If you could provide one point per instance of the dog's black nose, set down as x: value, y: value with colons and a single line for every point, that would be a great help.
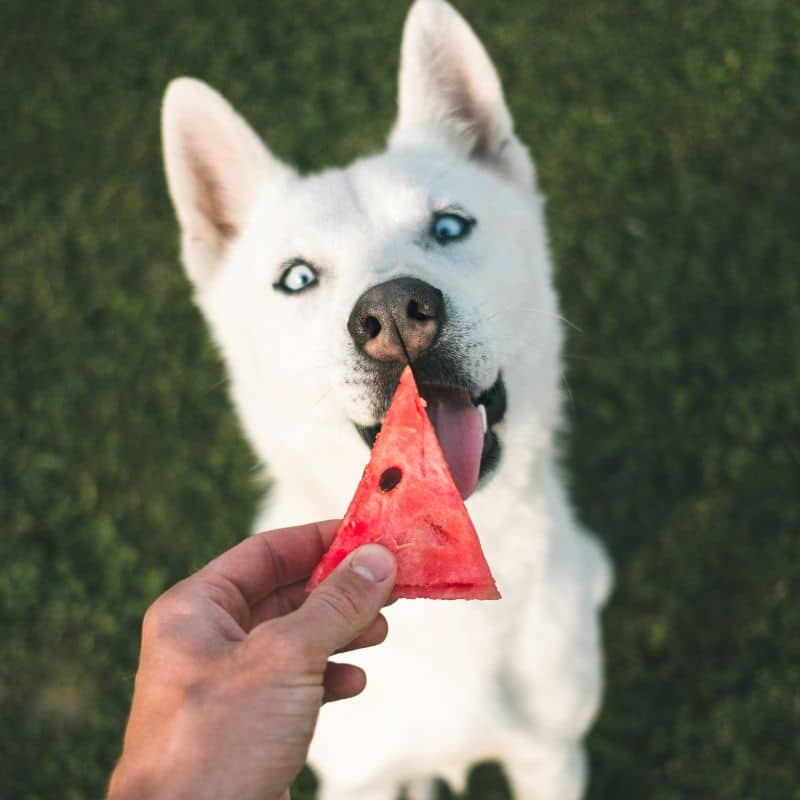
x: 403, y: 307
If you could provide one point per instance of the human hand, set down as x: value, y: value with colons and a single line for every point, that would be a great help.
x: 234, y: 667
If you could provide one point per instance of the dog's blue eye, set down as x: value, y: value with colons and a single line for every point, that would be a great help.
x: 296, y: 277
x: 450, y: 227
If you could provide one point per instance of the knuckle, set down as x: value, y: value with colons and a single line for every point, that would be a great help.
x: 164, y: 612
x: 342, y: 601
x: 154, y: 618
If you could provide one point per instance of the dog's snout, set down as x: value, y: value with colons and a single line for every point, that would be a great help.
x: 404, y: 315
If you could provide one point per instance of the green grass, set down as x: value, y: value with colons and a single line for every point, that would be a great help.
x: 667, y: 141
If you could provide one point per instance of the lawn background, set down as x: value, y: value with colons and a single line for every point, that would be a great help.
x: 667, y: 139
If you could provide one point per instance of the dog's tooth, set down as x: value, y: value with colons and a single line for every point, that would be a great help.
x: 484, y: 420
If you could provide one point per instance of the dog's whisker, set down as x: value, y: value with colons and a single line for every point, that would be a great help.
x: 513, y: 307
x: 535, y: 309
x: 605, y: 359
x: 322, y: 397
x: 571, y: 324
x: 563, y: 378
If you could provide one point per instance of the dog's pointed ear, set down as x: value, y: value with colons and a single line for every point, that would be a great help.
x: 449, y: 91
x: 215, y: 166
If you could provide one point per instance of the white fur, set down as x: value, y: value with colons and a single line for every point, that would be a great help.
x: 519, y: 679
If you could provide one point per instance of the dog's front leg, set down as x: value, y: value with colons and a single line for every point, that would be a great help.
x: 330, y: 791
x: 555, y: 771
x: 422, y: 789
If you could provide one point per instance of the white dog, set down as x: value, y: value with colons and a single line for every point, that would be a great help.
x: 306, y: 283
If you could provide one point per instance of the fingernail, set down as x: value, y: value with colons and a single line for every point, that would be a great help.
x: 373, y: 562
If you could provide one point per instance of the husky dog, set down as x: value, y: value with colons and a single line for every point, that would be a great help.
x: 312, y: 286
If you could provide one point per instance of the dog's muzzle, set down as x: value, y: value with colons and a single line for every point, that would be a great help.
x: 472, y: 453
x: 404, y: 321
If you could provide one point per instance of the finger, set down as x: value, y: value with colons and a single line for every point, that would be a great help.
x: 264, y: 562
x: 374, y: 634
x: 342, y: 681
x: 343, y: 606
x: 289, y: 598
x: 282, y: 601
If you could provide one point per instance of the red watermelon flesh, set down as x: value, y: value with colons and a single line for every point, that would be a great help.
x: 408, y: 502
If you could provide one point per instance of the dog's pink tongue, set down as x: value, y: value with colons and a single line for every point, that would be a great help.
x: 459, y: 429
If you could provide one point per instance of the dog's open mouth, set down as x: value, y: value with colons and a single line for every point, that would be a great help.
x: 463, y: 426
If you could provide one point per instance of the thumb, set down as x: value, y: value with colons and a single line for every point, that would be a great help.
x: 346, y: 602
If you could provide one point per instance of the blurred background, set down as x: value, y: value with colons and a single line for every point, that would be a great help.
x: 667, y: 139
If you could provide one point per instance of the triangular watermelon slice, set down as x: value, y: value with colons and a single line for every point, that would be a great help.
x: 408, y: 502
